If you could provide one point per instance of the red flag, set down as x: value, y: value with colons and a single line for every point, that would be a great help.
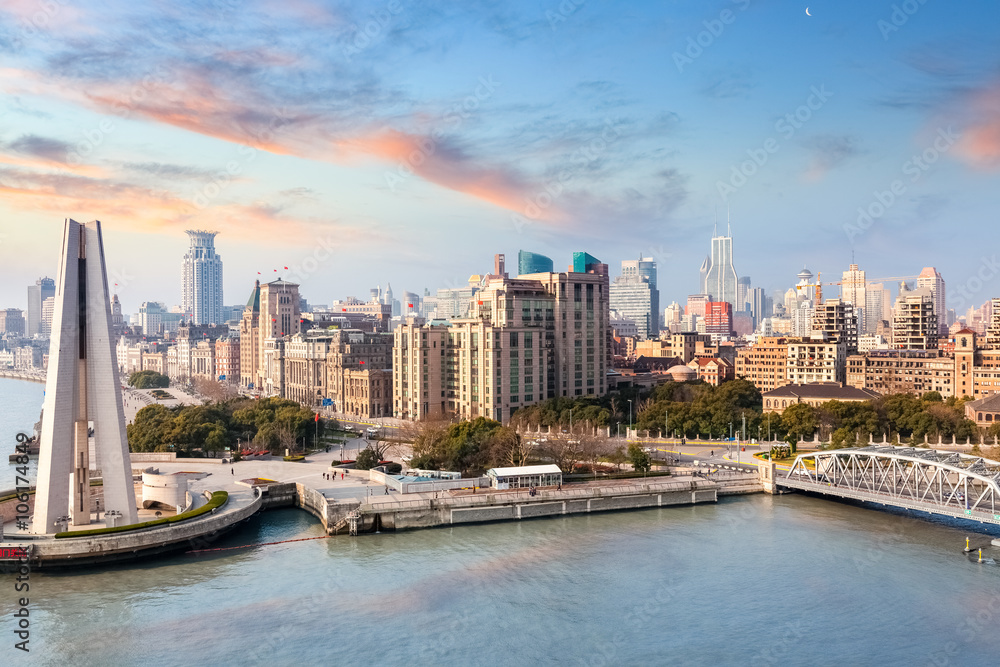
x: 362, y: 363
x: 286, y: 268
x: 344, y: 309
x: 317, y: 417
x: 410, y: 305
x: 258, y: 273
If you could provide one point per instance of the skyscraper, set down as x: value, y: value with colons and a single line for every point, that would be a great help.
x: 703, y: 275
x: 932, y: 280
x: 854, y: 290
x: 532, y: 262
x: 202, y: 280
x: 37, y: 294
x: 644, y: 268
x: 721, y: 278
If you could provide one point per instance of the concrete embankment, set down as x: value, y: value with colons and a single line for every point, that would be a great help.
x: 197, y: 533
x: 490, y: 505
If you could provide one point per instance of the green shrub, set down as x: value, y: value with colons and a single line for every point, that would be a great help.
x: 218, y: 499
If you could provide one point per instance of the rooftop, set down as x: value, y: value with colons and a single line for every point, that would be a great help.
x: 828, y: 390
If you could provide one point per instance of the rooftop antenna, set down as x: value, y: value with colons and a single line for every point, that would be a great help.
x: 729, y: 229
x: 715, y: 232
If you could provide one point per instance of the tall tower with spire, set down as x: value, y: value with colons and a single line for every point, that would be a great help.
x: 721, y: 279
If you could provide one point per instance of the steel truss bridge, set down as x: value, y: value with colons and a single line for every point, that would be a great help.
x: 928, y: 480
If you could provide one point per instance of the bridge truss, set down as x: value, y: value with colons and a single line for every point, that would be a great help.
x: 939, y: 482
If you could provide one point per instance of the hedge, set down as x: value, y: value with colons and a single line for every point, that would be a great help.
x: 218, y: 499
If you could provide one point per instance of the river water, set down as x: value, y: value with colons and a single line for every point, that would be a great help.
x: 754, y: 580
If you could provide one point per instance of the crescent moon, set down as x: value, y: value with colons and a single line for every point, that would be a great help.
x: 807, y: 12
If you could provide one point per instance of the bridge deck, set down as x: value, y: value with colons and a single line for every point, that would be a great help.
x: 956, y: 511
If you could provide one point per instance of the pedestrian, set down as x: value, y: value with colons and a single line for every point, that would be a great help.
x: 387, y: 490
x: 232, y: 471
x: 341, y: 475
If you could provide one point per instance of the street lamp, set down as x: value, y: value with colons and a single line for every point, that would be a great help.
x: 629, y: 416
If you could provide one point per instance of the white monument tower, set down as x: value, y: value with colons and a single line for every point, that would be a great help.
x: 82, y: 392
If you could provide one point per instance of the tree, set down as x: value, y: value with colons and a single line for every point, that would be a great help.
x: 367, y: 459
x: 639, y: 458
x: 148, y: 380
x: 213, y: 390
x: 798, y: 421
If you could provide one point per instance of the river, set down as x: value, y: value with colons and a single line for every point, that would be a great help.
x: 753, y: 580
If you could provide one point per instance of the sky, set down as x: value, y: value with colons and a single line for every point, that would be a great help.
x: 407, y: 142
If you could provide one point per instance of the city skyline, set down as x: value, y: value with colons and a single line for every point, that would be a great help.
x: 653, y: 149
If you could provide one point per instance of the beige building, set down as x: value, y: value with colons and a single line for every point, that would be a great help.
x: 839, y: 321
x: 903, y: 371
x: 777, y: 400
x: 815, y: 360
x: 359, y: 372
x: 249, y: 345
x: 305, y: 375
x: 227, y: 359
x: 525, y: 340
x: 914, y: 324
x: 272, y: 312
x: 765, y: 363
x: 203, y: 360
x: 684, y: 346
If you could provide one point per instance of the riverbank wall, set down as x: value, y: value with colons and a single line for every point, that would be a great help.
x: 491, y: 505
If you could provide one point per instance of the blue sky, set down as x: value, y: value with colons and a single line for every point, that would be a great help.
x: 407, y: 142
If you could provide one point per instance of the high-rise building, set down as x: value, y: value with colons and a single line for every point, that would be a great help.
x: 645, y: 267
x: 878, y: 306
x: 742, y: 294
x: 760, y: 305
x: 719, y: 319
x: 802, y: 319
x: 37, y: 294
x: 703, y: 275
x: 854, y: 290
x: 201, y: 287
x: 932, y: 280
x: 634, y: 295
x: 48, y: 305
x: 12, y: 321
x: 524, y: 340
x: 721, y: 279
x: 151, y: 317
x: 914, y: 324
x: 838, y: 320
x: 696, y: 304
x: 532, y: 262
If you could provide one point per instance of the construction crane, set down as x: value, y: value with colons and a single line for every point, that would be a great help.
x: 818, y: 285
